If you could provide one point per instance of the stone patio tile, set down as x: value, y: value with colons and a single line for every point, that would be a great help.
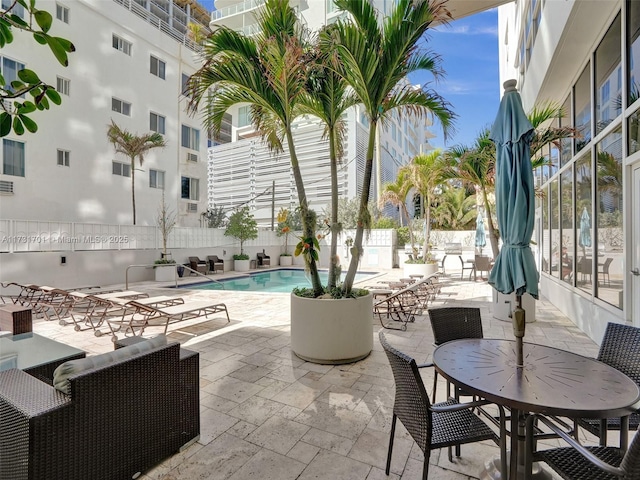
x: 286, y: 373
x: 259, y: 359
x: 216, y: 461
x: 378, y: 474
x: 329, y: 441
x: 328, y: 465
x: 242, y: 429
x: 215, y: 402
x: 250, y: 373
x: 303, y: 452
x: 278, y: 434
x: 223, y: 367
x: 338, y: 421
x: 213, y: 424
x: 372, y: 446
x: 268, y: 465
x: 289, y: 412
x: 271, y: 387
x: 342, y: 377
x: 256, y: 410
x: 301, y: 393
x: 233, y: 389
x: 342, y: 397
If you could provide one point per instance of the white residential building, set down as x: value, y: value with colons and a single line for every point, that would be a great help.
x: 131, y: 59
x: 243, y: 171
x: 585, y: 55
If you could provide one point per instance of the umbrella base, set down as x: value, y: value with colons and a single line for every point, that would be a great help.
x: 492, y: 471
x: 503, y: 305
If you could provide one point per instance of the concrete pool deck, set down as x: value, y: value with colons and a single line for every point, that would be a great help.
x: 265, y: 413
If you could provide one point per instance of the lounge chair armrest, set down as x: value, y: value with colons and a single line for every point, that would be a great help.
x: 581, y: 449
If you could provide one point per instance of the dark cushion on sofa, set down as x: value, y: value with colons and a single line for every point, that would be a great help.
x: 68, y: 369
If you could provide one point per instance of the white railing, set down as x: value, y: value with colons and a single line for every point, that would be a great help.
x: 235, y: 9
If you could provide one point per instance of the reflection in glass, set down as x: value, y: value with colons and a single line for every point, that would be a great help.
x: 566, y: 258
x: 633, y: 136
x: 609, y: 219
x: 565, y: 143
x: 584, y: 216
x: 583, y: 109
x: 545, y: 247
x: 633, y: 36
x: 608, y: 77
x: 555, y: 228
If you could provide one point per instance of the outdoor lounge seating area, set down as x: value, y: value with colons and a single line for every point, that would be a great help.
x: 264, y: 411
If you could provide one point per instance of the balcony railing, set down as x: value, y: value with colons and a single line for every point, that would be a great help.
x: 235, y: 9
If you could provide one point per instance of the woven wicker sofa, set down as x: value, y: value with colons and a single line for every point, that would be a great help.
x: 118, y: 420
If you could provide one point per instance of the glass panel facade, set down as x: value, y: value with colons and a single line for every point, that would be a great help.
x: 566, y: 226
x: 633, y: 40
x: 555, y: 228
x: 584, y: 230
x: 545, y: 231
x: 608, y: 74
x: 582, y: 95
x: 609, y: 219
x: 565, y: 143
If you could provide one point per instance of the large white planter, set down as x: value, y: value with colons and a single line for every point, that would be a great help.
x: 424, y: 269
x: 286, y: 260
x: 331, y: 331
x: 241, y: 265
x: 165, y: 273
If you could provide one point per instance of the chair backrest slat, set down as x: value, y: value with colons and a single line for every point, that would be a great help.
x: 454, y: 323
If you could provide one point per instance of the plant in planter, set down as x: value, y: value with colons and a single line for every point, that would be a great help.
x: 166, y: 222
x: 242, y: 226
x: 284, y: 230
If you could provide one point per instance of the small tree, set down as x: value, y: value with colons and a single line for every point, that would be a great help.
x: 284, y: 228
x: 242, y: 226
x: 166, y: 222
x: 215, y: 217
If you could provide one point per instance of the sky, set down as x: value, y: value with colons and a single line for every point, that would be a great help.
x: 469, y: 52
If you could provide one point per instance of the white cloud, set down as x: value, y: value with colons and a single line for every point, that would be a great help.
x: 469, y: 30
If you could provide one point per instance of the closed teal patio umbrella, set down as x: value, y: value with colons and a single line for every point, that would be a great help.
x: 514, y: 269
x: 585, y: 229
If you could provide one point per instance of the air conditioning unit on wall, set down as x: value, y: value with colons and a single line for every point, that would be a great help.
x: 192, y: 157
x: 192, y: 208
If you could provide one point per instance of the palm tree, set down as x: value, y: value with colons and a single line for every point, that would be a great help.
x: 375, y: 56
x: 456, y: 210
x: 133, y: 146
x: 328, y: 99
x: 396, y: 194
x: 426, y: 173
x: 269, y: 72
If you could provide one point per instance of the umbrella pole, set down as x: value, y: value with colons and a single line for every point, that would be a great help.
x: 518, y: 329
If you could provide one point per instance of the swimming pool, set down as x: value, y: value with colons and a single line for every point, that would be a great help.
x: 280, y: 280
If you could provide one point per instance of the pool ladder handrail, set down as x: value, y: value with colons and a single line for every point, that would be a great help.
x: 175, y: 275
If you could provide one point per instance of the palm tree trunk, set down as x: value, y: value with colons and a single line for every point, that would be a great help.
x: 308, y: 217
x: 493, y: 234
x: 333, y: 253
x: 427, y: 226
x: 356, y: 250
x: 133, y: 188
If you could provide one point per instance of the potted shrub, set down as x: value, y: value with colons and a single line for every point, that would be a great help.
x: 166, y: 222
x: 284, y: 230
x: 242, y: 226
x: 281, y: 77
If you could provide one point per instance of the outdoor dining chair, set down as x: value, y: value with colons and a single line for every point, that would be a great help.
x: 579, y: 462
x: 432, y: 426
x: 620, y: 349
x: 603, y: 271
x: 453, y: 323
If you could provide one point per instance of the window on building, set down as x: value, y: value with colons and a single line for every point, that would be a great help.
x: 121, y: 106
x: 243, y: 117
x: 63, y: 157
x: 156, y: 179
x: 189, y: 188
x: 555, y: 230
x: 566, y: 261
x: 190, y: 137
x: 63, y: 85
x: 582, y: 111
x: 122, y: 169
x: 185, y: 81
x: 62, y: 13
x: 12, y: 158
x: 633, y: 62
x: 10, y: 69
x: 16, y: 10
x: 157, y: 123
x: 607, y: 65
x: 584, y: 216
x: 393, y: 132
x: 224, y: 135
x: 565, y: 143
x: 157, y: 67
x: 545, y: 230
x: 609, y: 216
x: 121, y: 44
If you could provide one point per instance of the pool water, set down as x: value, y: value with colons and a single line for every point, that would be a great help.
x: 280, y: 280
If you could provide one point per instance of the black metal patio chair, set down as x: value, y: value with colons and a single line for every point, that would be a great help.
x: 435, y: 426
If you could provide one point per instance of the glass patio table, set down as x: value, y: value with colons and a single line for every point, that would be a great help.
x: 551, y: 382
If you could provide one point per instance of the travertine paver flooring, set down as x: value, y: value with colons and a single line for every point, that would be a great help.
x: 267, y: 414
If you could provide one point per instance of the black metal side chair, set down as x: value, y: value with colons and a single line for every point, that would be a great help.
x: 620, y: 349
x: 453, y: 323
x: 431, y: 426
x: 579, y: 462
